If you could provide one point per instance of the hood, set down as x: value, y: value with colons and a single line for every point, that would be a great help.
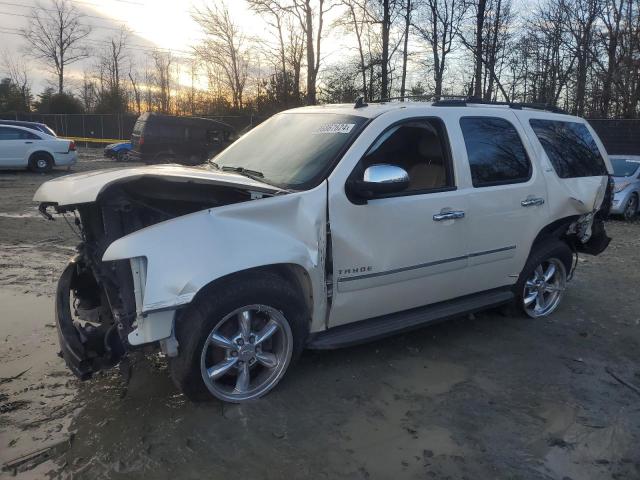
x: 86, y: 187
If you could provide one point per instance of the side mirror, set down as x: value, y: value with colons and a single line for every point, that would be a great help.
x: 381, y: 179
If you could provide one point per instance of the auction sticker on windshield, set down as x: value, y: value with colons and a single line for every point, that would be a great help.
x: 334, y: 128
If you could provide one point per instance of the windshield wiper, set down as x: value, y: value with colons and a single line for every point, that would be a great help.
x: 242, y: 171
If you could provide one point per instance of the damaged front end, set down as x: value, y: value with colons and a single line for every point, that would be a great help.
x: 99, y: 303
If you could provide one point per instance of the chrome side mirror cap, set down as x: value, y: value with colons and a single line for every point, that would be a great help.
x: 381, y: 179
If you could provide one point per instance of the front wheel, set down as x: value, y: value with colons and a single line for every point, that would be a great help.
x: 631, y: 208
x: 237, y: 341
x: 543, y: 280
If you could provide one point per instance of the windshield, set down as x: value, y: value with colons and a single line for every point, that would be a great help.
x: 623, y: 167
x: 292, y: 150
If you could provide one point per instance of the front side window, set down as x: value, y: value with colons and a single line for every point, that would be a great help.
x: 293, y: 150
x: 570, y: 147
x: 419, y: 147
x: 496, y: 153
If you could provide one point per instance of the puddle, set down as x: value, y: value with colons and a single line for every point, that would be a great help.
x: 580, y: 448
x: 36, y: 390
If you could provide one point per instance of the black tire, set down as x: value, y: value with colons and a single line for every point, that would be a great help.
x: 194, y: 325
x: 40, y: 162
x: 541, y: 253
x: 121, y: 156
x: 631, y: 208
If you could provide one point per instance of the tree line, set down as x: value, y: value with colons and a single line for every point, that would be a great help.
x: 581, y: 55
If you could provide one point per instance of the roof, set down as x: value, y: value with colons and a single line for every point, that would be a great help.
x: 19, y: 122
x: 373, y: 110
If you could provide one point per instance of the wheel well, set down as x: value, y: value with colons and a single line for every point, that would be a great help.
x: 556, y: 230
x: 41, y: 152
x: 289, y: 272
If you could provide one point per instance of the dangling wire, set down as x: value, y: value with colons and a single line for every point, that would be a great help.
x: 71, y: 226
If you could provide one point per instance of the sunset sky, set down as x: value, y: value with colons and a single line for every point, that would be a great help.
x: 165, y: 24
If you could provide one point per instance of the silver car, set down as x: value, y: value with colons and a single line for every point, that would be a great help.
x: 626, y: 174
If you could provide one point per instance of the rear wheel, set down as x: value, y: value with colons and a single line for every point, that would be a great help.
x: 631, y: 208
x: 237, y: 342
x: 543, y: 280
x: 121, y: 156
x: 41, y: 163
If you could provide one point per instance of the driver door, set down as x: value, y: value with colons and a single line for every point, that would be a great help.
x: 402, y: 250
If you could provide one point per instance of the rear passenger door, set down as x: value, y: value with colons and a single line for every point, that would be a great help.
x: 507, y: 198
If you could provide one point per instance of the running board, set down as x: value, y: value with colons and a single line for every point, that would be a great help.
x: 379, y: 327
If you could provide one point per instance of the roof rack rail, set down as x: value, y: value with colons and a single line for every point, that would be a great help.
x: 463, y: 101
x: 426, y: 98
x: 514, y: 105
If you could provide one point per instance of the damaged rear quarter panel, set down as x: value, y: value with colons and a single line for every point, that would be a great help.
x: 187, y: 253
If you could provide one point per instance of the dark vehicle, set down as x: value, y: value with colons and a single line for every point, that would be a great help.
x: 187, y: 140
x: 38, y: 127
x: 118, y: 151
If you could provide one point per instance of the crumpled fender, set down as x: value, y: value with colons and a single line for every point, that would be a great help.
x: 186, y: 253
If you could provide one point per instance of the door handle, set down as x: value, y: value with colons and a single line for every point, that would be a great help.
x: 28, y: 142
x: 532, y: 202
x: 453, y: 215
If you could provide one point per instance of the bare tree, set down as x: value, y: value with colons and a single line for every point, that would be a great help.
x: 405, y: 51
x: 137, y: 95
x: 224, y: 47
x: 272, y: 12
x: 17, y: 72
x: 55, y: 36
x: 582, y: 16
x: 289, y: 47
x: 163, y: 79
x: 438, y: 22
x: 311, y: 21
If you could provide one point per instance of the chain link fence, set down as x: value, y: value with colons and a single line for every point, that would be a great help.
x: 105, y: 128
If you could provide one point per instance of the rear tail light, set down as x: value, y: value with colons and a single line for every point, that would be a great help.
x: 72, y: 146
x: 141, y: 140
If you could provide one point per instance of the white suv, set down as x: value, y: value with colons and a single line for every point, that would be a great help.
x: 325, y: 227
x: 22, y: 147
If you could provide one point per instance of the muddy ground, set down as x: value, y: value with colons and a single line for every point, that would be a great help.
x: 489, y: 396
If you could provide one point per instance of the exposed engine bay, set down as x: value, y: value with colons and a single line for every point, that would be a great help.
x: 96, y: 301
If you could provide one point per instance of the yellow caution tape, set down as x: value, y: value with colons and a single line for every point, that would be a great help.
x: 95, y: 140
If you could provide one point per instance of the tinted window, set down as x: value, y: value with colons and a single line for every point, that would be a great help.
x: 16, y: 134
x: 570, y: 147
x: 495, y: 151
x: 419, y: 148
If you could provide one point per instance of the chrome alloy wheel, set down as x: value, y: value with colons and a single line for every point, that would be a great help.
x: 631, y: 208
x: 246, y: 353
x: 544, y: 289
x: 41, y: 163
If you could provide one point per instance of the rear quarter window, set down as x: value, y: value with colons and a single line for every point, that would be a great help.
x: 570, y: 147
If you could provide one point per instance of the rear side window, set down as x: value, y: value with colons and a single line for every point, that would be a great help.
x: 16, y: 134
x: 570, y: 147
x: 495, y: 151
